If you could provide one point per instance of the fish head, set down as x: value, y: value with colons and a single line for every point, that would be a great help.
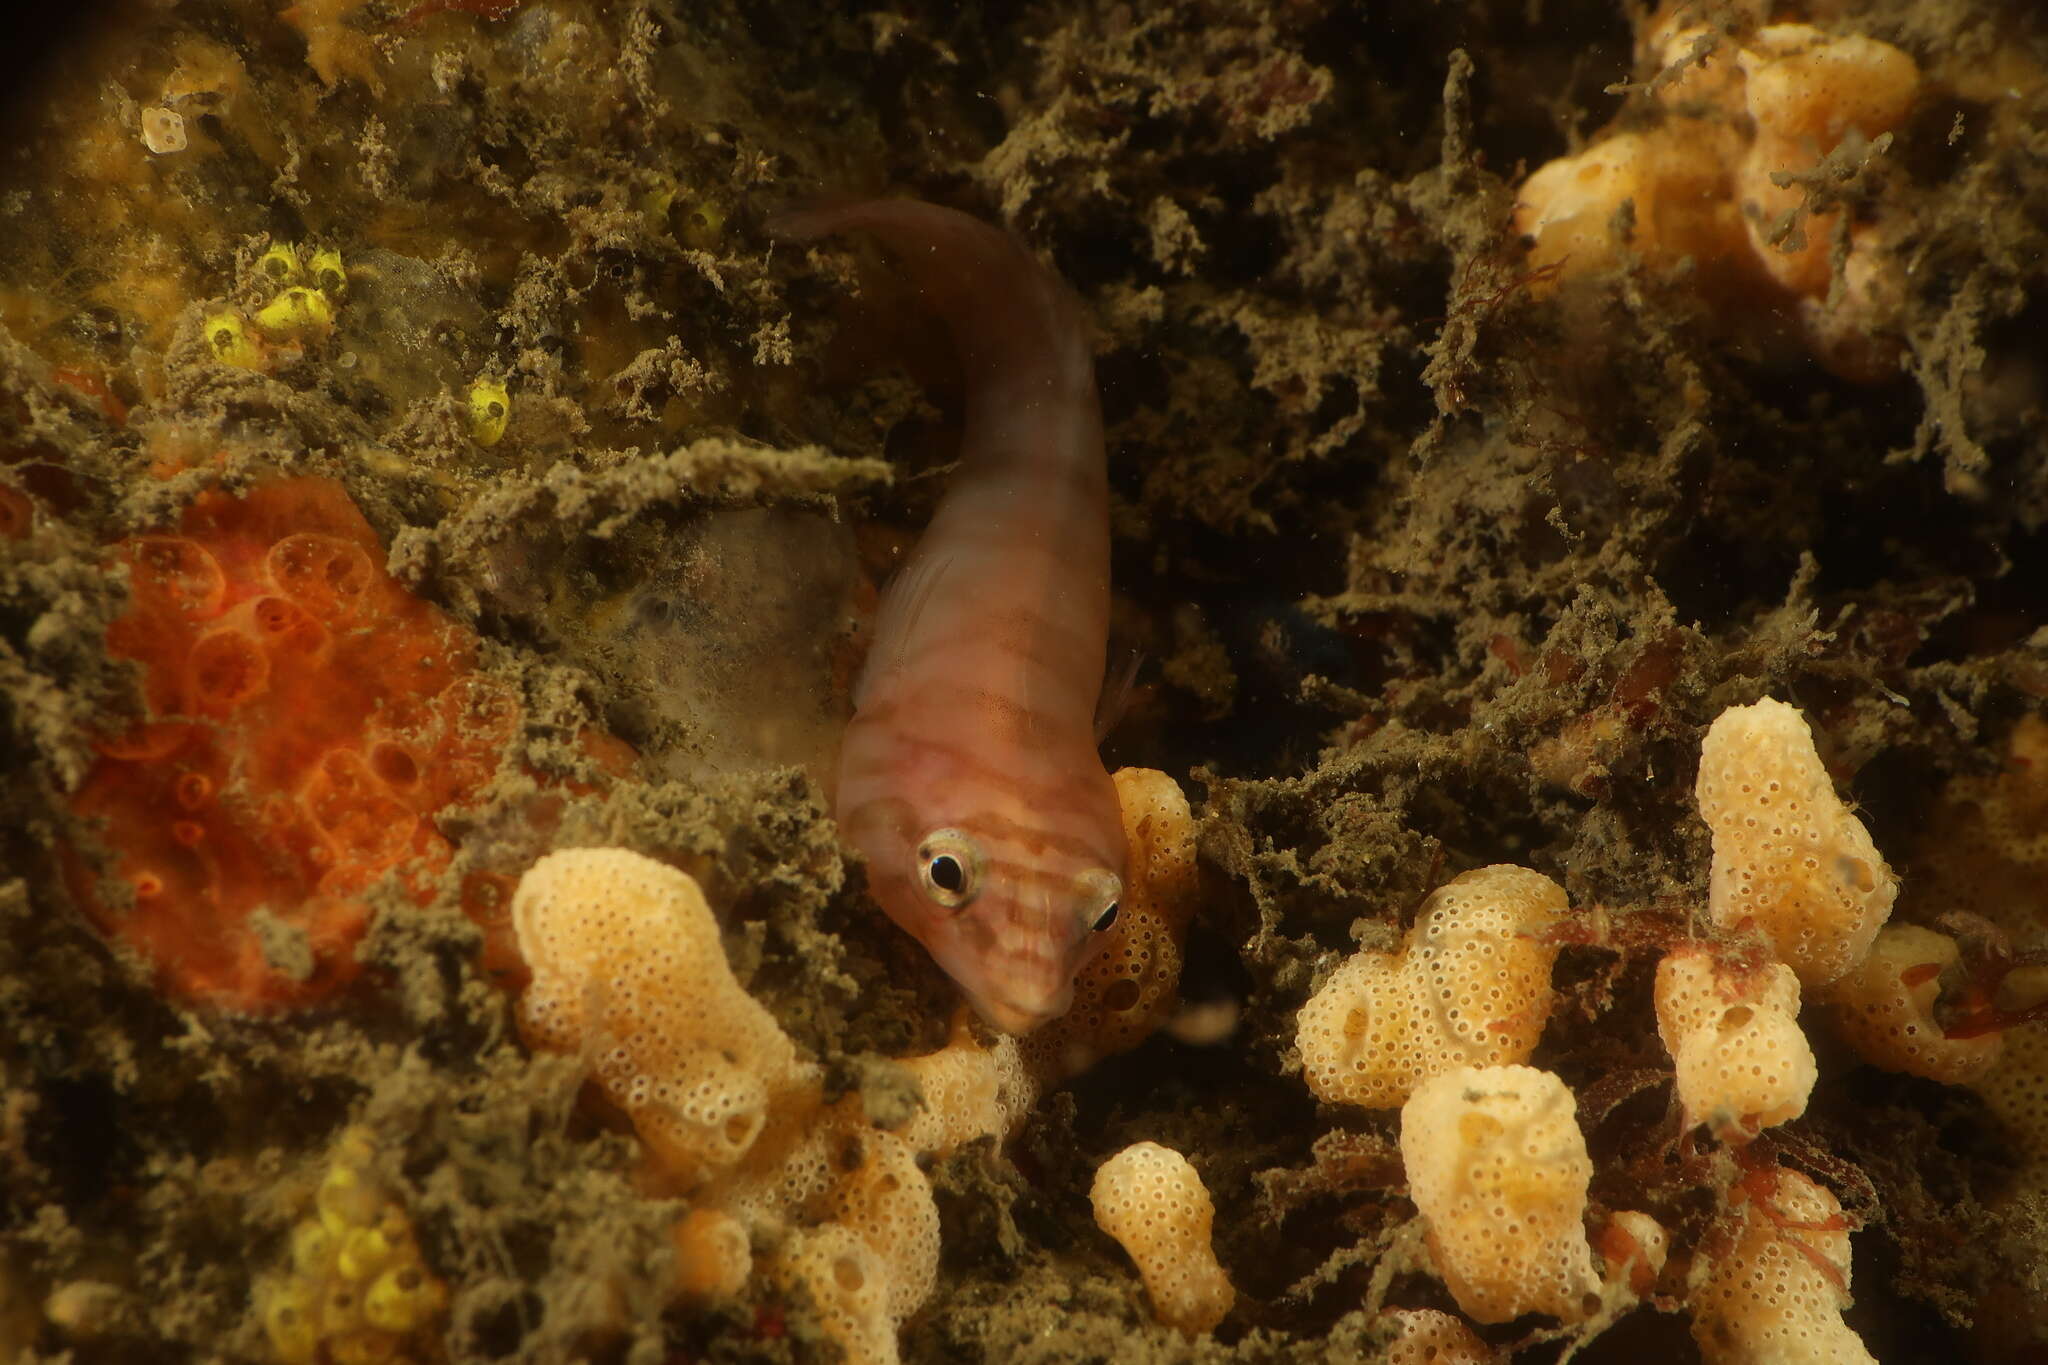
x: 1009, y: 907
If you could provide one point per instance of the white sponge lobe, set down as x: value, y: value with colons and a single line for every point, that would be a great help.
x: 848, y: 1285
x: 1884, y: 1009
x: 1497, y: 1166
x: 1153, y: 1203
x: 1732, y: 1029
x: 1471, y: 987
x: 628, y: 969
x: 1776, y: 1296
x: 1789, y: 858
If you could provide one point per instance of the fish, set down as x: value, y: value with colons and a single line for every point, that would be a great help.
x: 968, y: 778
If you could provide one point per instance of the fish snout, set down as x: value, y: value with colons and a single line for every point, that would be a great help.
x: 1021, y: 1012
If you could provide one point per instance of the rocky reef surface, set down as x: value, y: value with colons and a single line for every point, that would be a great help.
x: 415, y: 457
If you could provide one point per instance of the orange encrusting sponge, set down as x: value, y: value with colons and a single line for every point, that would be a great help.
x: 307, y: 717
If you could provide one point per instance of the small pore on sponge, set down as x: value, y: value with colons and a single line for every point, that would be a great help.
x: 1150, y: 1199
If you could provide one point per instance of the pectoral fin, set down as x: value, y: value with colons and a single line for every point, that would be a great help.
x: 1117, y: 685
x: 903, y: 603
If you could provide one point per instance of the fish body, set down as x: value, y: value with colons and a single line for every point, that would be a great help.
x: 969, y: 777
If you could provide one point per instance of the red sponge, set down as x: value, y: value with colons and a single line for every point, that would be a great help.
x: 307, y: 720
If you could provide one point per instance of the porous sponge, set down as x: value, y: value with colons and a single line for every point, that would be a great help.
x: 847, y: 1212
x: 1985, y: 849
x: 826, y: 1171
x: 1732, y: 1029
x: 627, y: 966
x: 307, y: 719
x: 1498, y: 1169
x: 1721, y: 178
x: 881, y: 1196
x: 1776, y: 1296
x: 1674, y: 176
x: 1805, y: 92
x: 1884, y: 1009
x: 1789, y: 858
x: 1471, y: 987
x: 1152, y: 1201
x: 628, y: 969
x: 1424, y: 1336
x: 1128, y: 988
x: 969, y: 1091
x: 849, y: 1290
x: 358, y: 1288
x: 714, y: 1255
x: 2016, y: 1090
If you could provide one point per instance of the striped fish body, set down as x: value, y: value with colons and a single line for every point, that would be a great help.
x: 969, y: 778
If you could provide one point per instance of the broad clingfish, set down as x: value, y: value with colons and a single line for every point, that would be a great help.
x: 969, y: 778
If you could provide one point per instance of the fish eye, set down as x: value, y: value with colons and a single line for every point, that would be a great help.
x: 949, y: 863
x: 1100, y: 893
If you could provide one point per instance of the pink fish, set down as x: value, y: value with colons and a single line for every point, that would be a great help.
x: 969, y: 778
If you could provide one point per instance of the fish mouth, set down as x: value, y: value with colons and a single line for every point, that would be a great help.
x: 1013, y: 1017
